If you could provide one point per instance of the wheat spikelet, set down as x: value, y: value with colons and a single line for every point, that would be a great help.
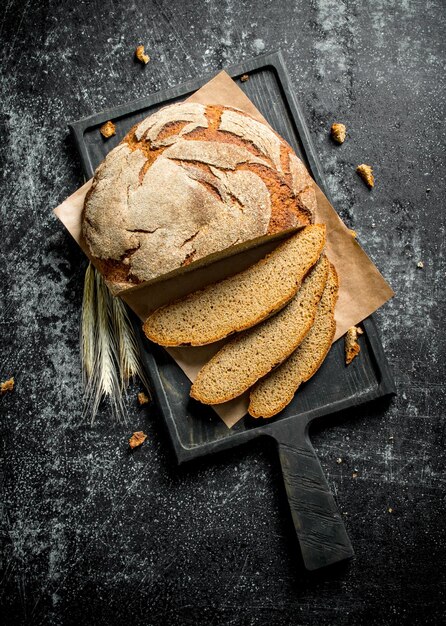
x: 127, y: 348
x: 110, y: 356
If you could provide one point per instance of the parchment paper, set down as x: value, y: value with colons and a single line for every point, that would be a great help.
x: 362, y: 288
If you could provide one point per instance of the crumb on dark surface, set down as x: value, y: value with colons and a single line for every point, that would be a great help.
x: 108, y: 129
x: 137, y: 439
x: 244, y: 78
x: 141, y: 55
x: 352, y: 347
x: 338, y: 132
x: 366, y: 173
x: 7, y: 386
x: 143, y: 398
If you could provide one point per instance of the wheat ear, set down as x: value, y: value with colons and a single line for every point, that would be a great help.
x: 110, y: 356
x: 104, y: 380
x: 127, y: 349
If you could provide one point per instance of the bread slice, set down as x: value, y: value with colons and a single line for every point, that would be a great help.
x: 254, y: 353
x: 274, y: 392
x: 240, y: 301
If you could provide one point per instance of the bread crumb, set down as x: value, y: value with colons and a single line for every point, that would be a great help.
x: 141, y: 56
x: 6, y: 386
x: 352, y: 347
x: 339, y: 460
x: 142, y: 398
x: 108, y: 129
x: 390, y: 510
x: 353, y: 233
x: 137, y: 439
x: 338, y: 132
x: 244, y: 78
x: 420, y: 264
x: 365, y: 172
x: 355, y: 475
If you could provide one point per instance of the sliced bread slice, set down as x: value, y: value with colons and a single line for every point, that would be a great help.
x: 254, y: 353
x: 242, y: 300
x: 275, y: 391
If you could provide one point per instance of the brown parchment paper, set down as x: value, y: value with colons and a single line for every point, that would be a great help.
x: 362, y: 288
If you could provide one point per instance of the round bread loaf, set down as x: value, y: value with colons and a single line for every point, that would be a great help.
x: 188, y: 182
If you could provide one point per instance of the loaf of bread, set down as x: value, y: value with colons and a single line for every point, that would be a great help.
x: 188, y: 184
x: 240, y: 301
x: 272, y: 394
x: 254, y: 353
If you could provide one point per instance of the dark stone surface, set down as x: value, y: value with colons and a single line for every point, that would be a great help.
x: 94, y: 535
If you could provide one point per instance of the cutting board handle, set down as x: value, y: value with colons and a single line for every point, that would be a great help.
x: 319, y: 527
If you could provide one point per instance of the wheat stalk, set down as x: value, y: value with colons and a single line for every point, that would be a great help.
x: 88, y: 325
x: 110, y: 356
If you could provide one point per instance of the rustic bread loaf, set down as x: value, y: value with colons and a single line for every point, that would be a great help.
x: 271, y: 394
x: 254, y: 353
x: 242, y: 300
x: 188, y: 182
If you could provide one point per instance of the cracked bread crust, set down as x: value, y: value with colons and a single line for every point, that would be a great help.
x: 188, y: 182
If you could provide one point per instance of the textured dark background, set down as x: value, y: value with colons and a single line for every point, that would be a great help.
x: 94, y: 535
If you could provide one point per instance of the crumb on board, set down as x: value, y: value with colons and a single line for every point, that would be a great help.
x: 338, y: 132
x: 420, y: 264
x: 7, y: 385
x: 355, y: 475
x: 366, y: 173
x: 353, y: 233
x: 108, y: 129
x: 352, y: 347
x: 137, y: 439
x: 339, y: 460
x: 141, y: 55
x: 244, y: 78
x: 142, y: 398
x: 390, y: 510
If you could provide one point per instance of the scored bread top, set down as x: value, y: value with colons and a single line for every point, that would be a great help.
x: 187, y: 182
x: 254, y: 353
x: 272, y: 394
x: 240, y: 301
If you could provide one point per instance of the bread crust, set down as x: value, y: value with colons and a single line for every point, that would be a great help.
x: 188, y: 182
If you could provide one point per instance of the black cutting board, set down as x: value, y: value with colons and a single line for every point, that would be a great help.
x: 195, y: 430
